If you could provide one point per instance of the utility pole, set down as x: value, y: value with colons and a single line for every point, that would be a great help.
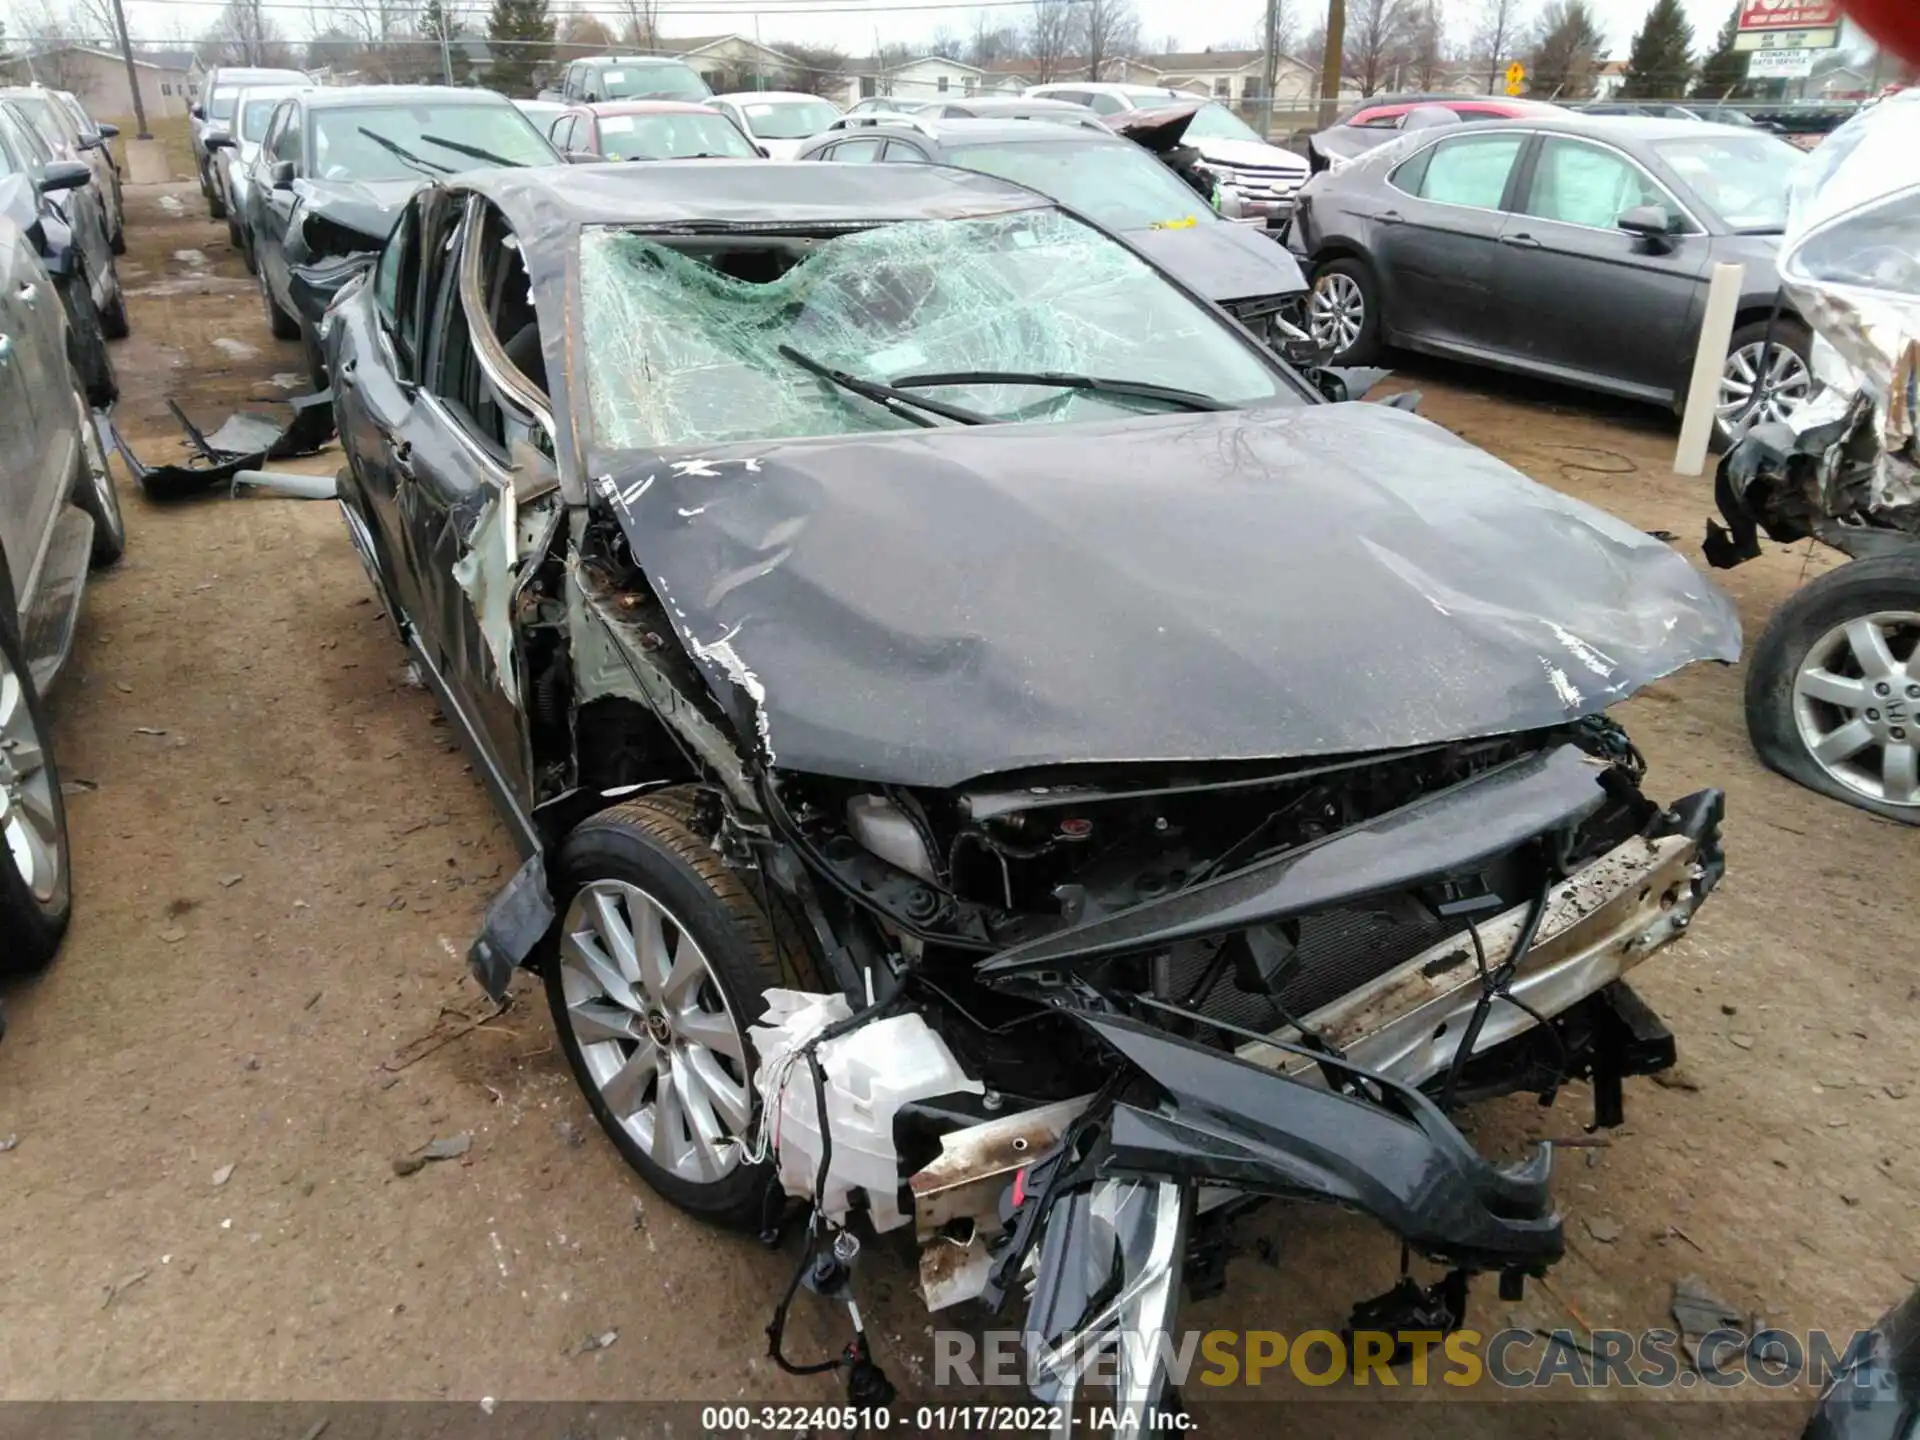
x: 1330, y: 62
x: 1271, y: 66
x: 133, y: 75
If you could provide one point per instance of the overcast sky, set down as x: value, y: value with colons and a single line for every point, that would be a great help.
x: 853, y: 24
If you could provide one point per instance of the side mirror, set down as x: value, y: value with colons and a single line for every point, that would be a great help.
x: 218, y: 140
x: 198, y: 112
x: 63, y: 175
x: 281, y: 175
x: 106, y: 131
x: 1649, y: 222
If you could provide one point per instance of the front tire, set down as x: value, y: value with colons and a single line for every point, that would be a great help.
x: 283, y: 325
x: 1343, y: 312
x: 87, y: 341
x: 652, y: 976
x: 36, y: 887
x: 1833, y: 688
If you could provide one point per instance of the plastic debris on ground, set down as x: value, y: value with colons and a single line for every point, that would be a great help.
x: 242, y: 442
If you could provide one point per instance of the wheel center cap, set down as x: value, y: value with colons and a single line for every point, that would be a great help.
x: 659, y: 1029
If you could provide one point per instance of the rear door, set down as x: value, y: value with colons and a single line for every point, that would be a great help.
x: 1581, y: 296
x: 1437, y: 224
x: 23, y: 499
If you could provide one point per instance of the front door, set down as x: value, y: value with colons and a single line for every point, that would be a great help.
x: 1583, y: 297
x: 276, y: 206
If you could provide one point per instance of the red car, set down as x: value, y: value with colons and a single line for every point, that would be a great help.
x: 650, y: 130
x: 1376, y: 121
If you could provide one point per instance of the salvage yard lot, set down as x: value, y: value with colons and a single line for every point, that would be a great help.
x: 280, y: 856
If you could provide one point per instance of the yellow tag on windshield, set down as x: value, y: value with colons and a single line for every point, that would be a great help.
x: 1186, y: 222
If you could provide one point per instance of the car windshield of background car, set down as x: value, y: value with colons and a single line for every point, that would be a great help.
x: 220, y: 105
x: 677, y: 353
x: 342, y: 150
x: 1744, y: 179
x: 1216, y: 122
x: 788, y: 119
x: 671, y: 137
x: 254, y: 116
x: 1121, y: 186
x: 666, y: 82
x: 39, y: 112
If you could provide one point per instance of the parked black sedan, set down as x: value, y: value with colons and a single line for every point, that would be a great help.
x: 336, y: 166
x: 1578, y: 249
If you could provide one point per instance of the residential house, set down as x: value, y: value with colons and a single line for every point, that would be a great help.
x: 732, y: 62
x: 1229, y: 75
x: 99, y: 78
x: 927, y: 77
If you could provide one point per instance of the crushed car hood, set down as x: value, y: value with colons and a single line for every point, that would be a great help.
x: 369, y: 206
x: 928, y: 607
x: 1222, y: 261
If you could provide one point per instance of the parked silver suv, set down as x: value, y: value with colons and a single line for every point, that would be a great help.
x: 213, y: 106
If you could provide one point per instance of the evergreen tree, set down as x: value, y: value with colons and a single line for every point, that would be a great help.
x: 1661, y: 62
x: 1723, y: 74
x: 440, y: 27
x: 520, y: 34
x: 1565, y: 51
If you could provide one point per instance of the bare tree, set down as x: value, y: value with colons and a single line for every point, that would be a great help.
x: 243, y: 34
x: 640, y: 27
x: 581, y: 34
x: 1106, y: 30
x: 1379, y: 41
x: 818, y: 69
x: 989, y: 43
x: 1427, y: 45
x: 1050, y: 35
x: 1502, y: 23
x: 44, y: 27
x: 946, y: 43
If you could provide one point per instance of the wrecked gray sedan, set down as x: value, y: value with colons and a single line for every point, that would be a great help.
x: 998, y: 757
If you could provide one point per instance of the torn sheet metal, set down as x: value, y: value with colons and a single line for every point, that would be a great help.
x: 1850, y: 263
x: 929, y: 607
x: 485, y: 573
x: 213, y: 463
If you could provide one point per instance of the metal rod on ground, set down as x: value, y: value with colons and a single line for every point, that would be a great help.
x: 1709, y: 365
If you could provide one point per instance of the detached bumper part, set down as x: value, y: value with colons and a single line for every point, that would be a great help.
x: 516, y: 920
x: 1232, y: 1123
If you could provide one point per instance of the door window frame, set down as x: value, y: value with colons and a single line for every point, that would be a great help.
x: 1521, y: 172
x: 1673, y: 202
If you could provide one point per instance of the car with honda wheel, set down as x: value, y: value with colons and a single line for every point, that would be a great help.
x: 59, y: 519
x: 1577, y: 249
x: 47, y: 201
x: 336, y: 165
x: 854, y: 585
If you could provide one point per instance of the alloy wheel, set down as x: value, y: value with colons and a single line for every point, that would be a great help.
x: 28, y: 818
x: 655, y: 1031
x: 1336, y: 312
x: 1762, y: 387
x: 1856, y: 705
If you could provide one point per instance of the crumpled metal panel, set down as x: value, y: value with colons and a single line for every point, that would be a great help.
x: 933, y: 606
x: 1850, y: 263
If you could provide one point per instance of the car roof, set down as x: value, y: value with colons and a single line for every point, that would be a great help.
x: 348, y: 97
x: 742, y: 97
x: 540, y: 201
x: 632, y: 60
x: 976, y: 130
x: 1641, y: 129
x: 647, y: 107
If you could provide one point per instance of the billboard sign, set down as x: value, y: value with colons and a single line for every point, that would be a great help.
x: 1762, y: 15
x: 1780, y: 65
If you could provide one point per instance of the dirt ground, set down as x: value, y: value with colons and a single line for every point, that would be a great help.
x: 280, y: 857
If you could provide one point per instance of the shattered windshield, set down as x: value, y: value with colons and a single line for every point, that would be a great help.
x: 678, y: 352
x: 674, y: 135
x: 1121, y: 186
x: 346, y: 141
x: 652, y: 82
x: 1744, y: 179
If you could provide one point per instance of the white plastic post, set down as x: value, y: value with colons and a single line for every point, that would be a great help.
x: 1709, y: 362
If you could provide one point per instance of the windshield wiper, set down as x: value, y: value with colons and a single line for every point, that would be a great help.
x: 406, y: 156
x: 1094, y: 384
x: 475, y: 152
x: 894, y: 402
